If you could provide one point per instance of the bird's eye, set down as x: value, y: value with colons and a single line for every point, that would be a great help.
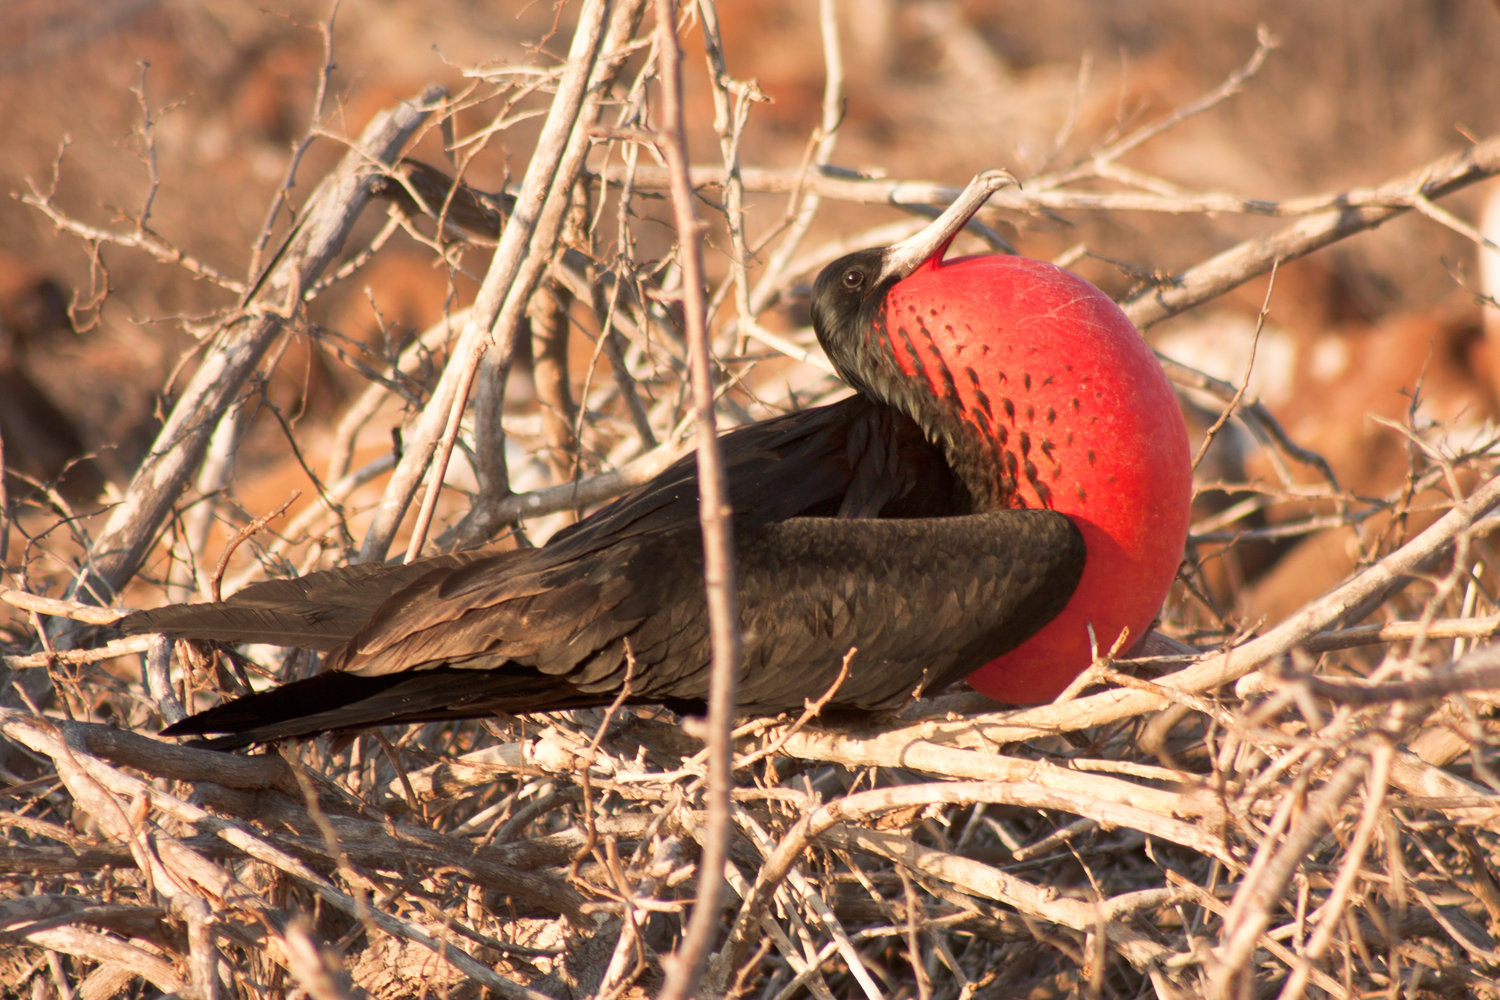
x: 854, y: 279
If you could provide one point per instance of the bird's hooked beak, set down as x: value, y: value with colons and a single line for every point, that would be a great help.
x: 902, y: 259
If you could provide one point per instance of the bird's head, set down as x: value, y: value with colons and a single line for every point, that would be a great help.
x: 849, y: 294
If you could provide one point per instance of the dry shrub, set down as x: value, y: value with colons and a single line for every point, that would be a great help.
x: 1303, y: 806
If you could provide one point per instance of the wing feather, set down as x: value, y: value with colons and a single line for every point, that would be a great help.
x: 828, y: 559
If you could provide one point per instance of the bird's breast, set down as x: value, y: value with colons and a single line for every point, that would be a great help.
x: 1050, y: 398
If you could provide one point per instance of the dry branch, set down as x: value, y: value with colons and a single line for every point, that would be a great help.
x: 526, y: 243
x: 1339, y: 216
x: 1312, y: 808
x: 320, y: 234
x: 687, y: 963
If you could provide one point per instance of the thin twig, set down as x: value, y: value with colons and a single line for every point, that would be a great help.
x: 180, y: 445
x: 520, y: 260
x: 1360, y: 210
x: 686, y: 964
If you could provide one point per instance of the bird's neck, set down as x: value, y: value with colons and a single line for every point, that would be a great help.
x: 986, y: 460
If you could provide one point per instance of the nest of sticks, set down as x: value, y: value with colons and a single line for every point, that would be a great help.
x: 1301, y: 808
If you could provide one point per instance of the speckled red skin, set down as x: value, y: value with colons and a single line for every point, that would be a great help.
x: 1089, y: 426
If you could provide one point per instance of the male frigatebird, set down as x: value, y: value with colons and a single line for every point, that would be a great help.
x: 1010, y: 477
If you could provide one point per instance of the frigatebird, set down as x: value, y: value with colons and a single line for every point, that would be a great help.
x: 1008, y: 484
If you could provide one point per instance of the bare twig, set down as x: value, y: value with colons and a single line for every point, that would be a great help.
x: 243, y: 535
x: 1358, y: 210
x: 1250, y: 912
x: 54, y: 607
x: 335, y: 205
x: 526, y: 245
x: 687, y: 963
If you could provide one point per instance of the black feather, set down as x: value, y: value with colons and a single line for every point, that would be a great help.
x: 852, y: 531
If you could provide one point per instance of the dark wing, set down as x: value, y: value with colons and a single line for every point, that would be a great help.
x: 617, y: 600
x: 632, y: 572
x: 850, y: 459
x: 922, y: 602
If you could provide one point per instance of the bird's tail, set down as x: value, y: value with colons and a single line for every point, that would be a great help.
x: 336, y: 702
x: 285, y: 712
x: 322, y: 610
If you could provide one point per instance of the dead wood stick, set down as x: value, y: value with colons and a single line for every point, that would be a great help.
x: 333, y: 208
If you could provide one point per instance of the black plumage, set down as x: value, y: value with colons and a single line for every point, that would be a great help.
x: 866, y: 524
